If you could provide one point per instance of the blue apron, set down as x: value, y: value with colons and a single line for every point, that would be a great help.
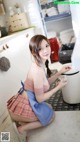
x: 43, y: 112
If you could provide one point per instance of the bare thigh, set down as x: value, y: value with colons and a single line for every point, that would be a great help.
x: 20, y: 118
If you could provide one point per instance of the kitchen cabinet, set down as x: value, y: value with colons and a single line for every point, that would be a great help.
x: 20, y: 60
x: 26, y: 32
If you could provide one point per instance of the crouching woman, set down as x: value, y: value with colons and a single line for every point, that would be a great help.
x: 29, y: 106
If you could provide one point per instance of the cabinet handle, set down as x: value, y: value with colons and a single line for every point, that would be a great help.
x: 6, y: 46
x: 27, y: 35
x: 3, y: 48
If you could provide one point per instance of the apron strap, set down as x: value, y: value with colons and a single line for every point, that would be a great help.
x: 21, y: 90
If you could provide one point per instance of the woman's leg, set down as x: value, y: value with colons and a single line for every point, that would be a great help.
x: 29, y: 126
x: 28, y: 123
x: 32, y: 125
x: 25, y: 124
x: 22, y: 119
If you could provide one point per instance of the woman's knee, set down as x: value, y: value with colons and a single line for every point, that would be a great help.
x: 49, y: 105
x: 52, y: 119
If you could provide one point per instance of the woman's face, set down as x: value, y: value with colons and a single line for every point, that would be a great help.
x: 45, y: 51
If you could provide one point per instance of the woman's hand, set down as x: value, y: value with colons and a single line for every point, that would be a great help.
x: 64, y: 69
x: 62, y: 83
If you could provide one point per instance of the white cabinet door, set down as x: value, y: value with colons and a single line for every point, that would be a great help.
x: 20, y: 59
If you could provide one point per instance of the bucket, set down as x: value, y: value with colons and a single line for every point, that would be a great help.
x: 71, y: 91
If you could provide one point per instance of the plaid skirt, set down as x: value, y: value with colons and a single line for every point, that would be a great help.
x: 20, y: 106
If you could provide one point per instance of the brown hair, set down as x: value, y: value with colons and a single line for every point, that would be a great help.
x: 34, y: 46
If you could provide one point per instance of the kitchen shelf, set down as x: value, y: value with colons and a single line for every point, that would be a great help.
x: 57, y: 17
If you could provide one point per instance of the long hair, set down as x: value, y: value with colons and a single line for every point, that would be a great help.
x: 48, y: 69
x: 35, y: 47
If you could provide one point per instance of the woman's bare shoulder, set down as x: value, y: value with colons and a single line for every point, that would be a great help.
x: 34, y: 72
x: 36, y: 69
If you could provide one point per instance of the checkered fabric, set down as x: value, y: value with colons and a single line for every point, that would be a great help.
x: 19, y: 105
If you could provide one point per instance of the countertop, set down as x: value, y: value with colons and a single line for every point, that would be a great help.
x: 13, y: 35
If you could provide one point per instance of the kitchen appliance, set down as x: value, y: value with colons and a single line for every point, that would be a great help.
x: 71, y: 91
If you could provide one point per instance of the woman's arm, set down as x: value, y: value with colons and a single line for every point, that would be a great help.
x: 38, y: 85
x: 45, y: 96
x: 54, y: 77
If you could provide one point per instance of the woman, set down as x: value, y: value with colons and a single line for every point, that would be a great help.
x: 36, y: 87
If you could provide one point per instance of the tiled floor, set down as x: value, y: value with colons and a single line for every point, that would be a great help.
x: 58, y: 103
